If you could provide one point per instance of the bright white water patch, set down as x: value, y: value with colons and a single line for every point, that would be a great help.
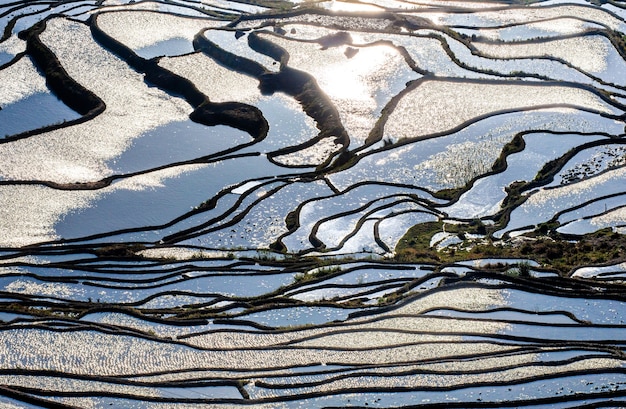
x: 590, y: 162
x: 339, y: 6
x: 515, y: 15
x: 542, y: 67
x: 124, y: 320
x: 416, y: 163
x: 153, y: 6
x: 214, y: 80
x: 95, y: 353
x: 158, y: 197
x: 57, y: 290
x: 596, y: 272
x: 140, y: 30
x: 143, y: 200
x: 28, y: 213
x: 132, y: 108
x: 587, y: 53
x: 314, y: 155
x: 559, y: 26
x: 587, y: 226
x: 579, y: 218
x: 459, y: 5
x: 486, y: 195
x: 350, y: 202
x: 289, y: 126
x: 429, y: 55
x: 181, y: 253
x: 56, y: 384
x: 461, y: 162
x: 227, y: 40
x: 542, y: 204
x: 10, y: 48
x: 434, y: 107
x: 19, y: 81
x: 609, y: 219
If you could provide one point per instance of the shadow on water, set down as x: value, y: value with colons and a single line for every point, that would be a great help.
x: 41, y: 109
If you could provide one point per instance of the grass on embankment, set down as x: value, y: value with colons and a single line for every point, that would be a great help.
x: 553, y: 251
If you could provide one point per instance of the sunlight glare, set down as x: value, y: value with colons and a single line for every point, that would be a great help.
x: 354, y: 78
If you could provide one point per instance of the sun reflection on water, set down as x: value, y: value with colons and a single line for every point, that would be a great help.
x: 351, y: 78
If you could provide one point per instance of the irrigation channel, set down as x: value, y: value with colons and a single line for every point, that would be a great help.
x: 275, y: 204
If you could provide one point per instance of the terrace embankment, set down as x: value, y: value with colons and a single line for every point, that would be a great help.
x: 234, y: 114
x: 298, y: 84
x: 58, y: 80
x: 69, y: 91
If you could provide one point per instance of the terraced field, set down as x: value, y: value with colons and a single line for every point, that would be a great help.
x: 285, y: 204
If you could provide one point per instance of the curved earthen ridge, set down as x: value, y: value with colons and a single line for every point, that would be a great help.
x: 70, y: 92
x: 242, y: 116
x: 295, y: 83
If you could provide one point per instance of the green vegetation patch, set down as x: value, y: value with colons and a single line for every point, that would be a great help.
x: 555, y: 252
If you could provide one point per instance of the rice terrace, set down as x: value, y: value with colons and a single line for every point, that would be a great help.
x: 312, y: 204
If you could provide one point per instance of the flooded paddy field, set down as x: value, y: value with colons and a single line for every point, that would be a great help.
x: 300, y: 204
